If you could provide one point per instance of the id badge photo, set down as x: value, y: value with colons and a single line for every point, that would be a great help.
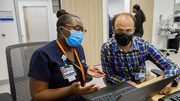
x: 141, y: 74
x: 68, y: 72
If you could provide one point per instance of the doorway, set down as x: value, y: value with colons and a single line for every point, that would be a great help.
x: 36, y: 24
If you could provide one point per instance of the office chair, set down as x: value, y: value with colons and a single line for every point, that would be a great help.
x: 157, y: 72
x: 5, y: 97
x: 18, y: 58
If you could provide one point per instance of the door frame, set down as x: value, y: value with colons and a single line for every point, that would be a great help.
x: 105, y: 20
x: 21, y: 5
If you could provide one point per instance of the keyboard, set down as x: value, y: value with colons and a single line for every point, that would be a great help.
x: 111, y: 92
x: 171, y: 97
x: 113, y: 96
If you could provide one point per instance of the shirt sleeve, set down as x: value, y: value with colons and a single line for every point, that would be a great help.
x: 161, y: 61
x: 107, y: 68
x: 39, y: 66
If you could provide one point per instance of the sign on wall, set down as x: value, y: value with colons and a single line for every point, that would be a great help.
x: 6, y: 16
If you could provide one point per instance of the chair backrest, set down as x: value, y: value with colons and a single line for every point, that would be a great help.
x: 18, y: 58
x: 5, y: 97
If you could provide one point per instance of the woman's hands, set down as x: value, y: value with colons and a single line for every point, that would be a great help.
x: 95, y: 72
x: 76, y: 88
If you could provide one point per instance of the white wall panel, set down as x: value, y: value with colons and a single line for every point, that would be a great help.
x: 9, y: 28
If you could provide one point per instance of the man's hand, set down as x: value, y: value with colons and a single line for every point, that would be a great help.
x: 132, y: 83
x: 95, y: 72
x: 167, y: 89
x: 76, y: 88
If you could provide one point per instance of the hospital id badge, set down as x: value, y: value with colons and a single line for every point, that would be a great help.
x: 139, y: 76
x: 68, y: 72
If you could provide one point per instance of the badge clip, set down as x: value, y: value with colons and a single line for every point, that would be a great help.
x: 64, y: 59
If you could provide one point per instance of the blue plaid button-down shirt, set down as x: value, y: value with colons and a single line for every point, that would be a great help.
x: 121, y: 66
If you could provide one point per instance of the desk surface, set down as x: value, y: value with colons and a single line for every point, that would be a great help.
x: 156, y: 97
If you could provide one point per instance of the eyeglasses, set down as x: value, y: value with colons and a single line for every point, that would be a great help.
x: 128, y: 31
x: 78, y: 28
x: 68, y: 29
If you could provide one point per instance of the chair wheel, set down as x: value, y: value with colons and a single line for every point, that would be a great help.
x: 167, y: 54
x: 176, y: 52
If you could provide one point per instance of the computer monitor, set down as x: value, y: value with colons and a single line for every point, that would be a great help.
x: 146, y: 92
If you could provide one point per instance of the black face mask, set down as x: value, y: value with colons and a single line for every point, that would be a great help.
x: 123, y: 39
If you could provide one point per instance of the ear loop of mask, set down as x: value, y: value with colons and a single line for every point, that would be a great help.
x: 62, y: 35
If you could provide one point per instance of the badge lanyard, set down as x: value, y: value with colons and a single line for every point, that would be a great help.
x: 81, y: 67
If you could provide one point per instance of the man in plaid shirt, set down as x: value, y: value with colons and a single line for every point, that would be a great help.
x: 123, y: 57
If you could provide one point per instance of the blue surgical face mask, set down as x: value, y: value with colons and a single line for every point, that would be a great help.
x: 75, y: 38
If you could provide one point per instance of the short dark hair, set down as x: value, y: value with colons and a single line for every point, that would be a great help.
x: 128, y: 14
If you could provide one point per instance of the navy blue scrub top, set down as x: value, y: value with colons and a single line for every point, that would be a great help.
x: 45, y: 66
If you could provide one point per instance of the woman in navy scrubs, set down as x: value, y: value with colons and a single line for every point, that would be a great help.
x: 58, y: 69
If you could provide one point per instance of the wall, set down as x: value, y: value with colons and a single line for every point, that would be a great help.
x: 147, y: 7
x: 115, y: 7
x: 105, y: 20
x: 177, y: 7
x: 118, y: 6
x: 165, y: 9
x: 127, y: 7
x: 93, y: 38
x: 53, y: 26
x: 9, y: 28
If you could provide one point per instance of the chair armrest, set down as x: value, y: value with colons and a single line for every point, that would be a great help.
x: 157, y: 72
x: 5, y: 97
